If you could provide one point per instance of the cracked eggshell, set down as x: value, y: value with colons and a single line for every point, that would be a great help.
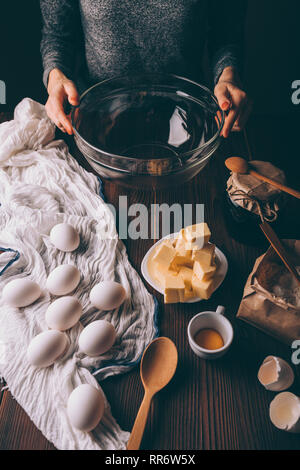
x: 63, y: 279
x: 45, y: 348
x: 85, y: 407
x: 21, y: 292
x: 107, y: 295
x: 285, y: 412
x: 97, y: 338
x: 64, y: 237
x: 275, y: 374
x: 63, y: 313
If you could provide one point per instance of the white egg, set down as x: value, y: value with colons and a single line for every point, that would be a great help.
x: 63, y: 313
x: 85, y: 407
x: 45, y: 348
x: 107, y: 295
x: 64, y: 237
x: 63, y: 279
x: 97, y: 338
x: 21, y: 292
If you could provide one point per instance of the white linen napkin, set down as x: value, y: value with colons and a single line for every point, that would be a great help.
x: 42, y: 185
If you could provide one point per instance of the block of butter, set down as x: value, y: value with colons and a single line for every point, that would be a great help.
x: 164, y: 255
x: 202, y: 289
x: 183, y: 256
x: 186, y: 274
x: 206, y: 255
x: 197, y: 236
x: 181, y: 248
x: 174, y: 289
x: 188, y: 294
x: 204, y: 272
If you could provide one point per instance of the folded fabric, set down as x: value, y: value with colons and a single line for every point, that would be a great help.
x: 42, y: 185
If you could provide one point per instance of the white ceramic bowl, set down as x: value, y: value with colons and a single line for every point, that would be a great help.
x: 222, y: 268
x: 210, y: 320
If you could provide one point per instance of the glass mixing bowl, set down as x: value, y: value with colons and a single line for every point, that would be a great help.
x: 149, y: 131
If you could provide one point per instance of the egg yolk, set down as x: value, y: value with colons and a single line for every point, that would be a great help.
x: 209, y: 339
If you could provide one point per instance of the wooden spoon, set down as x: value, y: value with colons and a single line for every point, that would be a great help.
x: 158, y: 366
x: 280, y: 250
x: 240, y: 165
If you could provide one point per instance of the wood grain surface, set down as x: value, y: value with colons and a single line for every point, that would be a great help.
x: 208, y: 405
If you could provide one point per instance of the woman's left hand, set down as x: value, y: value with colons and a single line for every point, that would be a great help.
x: 233, y: 100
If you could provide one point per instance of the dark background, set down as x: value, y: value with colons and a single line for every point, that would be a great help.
x: 272, y: 53
x: 272, y: 64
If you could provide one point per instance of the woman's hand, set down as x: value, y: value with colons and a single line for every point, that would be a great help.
x: 61, y: 90
x: 232, y: 99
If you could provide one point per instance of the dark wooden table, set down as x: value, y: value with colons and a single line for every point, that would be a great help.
x: 208, y: 405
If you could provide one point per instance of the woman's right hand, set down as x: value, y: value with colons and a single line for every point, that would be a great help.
x: 60, y: 90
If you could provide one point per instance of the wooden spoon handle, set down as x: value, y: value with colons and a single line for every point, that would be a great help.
x: 140, y: 423
x: 280, y: 250
x: 283, y: 187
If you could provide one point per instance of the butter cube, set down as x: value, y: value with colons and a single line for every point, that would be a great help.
x: 164, y: 255
x: 183, y: 256
x: 202, y: 289
x: 189, y: 294
x: 174, y: 289
x: 181, y: 235
x: 181, y: 248
x: 204, y: 273
x: 180, y: 261
x: 186, y: 274
x: 183, y: 252
x: 161, y: 274
x: 197, y: 236
x: 206, y: 255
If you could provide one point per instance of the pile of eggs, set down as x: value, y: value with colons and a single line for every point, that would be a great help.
x: 86, y: 403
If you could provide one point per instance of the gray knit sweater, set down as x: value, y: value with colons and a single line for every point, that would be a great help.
x: 93, y: 40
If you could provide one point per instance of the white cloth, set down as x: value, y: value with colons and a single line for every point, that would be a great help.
x: 42, y: 185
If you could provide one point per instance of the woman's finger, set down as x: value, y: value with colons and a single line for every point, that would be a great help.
x: 63, y: 120
x: 56, y: 113
x: 229, y: 122
x: 218, y: 119
x: 223, y: 96
x: 72, y: 93
x: 61, y: 127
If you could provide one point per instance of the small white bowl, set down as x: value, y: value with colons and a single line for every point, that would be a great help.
x: 215, y: 321
x: 221, y: 260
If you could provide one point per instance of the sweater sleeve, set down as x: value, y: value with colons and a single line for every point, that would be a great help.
x: 226, y: 35
x: 61, y: 27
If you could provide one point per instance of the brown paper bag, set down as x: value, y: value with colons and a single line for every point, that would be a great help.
x: 261, y: 307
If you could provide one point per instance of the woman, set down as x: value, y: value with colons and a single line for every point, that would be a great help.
x: 86, y: 41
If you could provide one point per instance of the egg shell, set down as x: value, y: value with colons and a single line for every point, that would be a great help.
x: 63, y: 279
x: 107, y: 295
x: 63, y: 313
x: 285, y: 412
x: 65, y: 237
x: 21, y: 292
x: 85, y: 407
x: 276, y: 374
x: 45, y: 348
x: 97, y: 338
